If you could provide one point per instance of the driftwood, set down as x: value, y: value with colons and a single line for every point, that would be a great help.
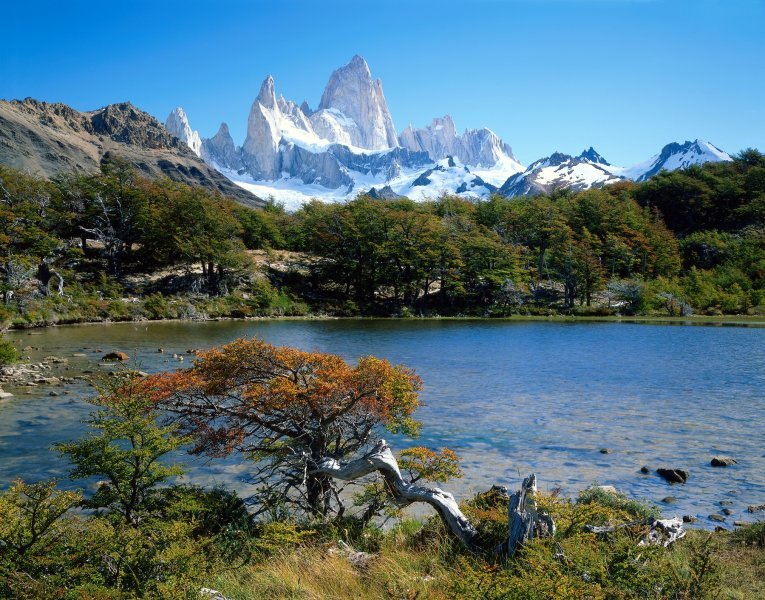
x: 524, y: 521
x: 380, y: 459
x: 661, y: 532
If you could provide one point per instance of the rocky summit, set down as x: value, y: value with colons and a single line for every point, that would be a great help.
x: 49, y: 139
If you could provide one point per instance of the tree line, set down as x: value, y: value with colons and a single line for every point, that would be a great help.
x: 688, y: 240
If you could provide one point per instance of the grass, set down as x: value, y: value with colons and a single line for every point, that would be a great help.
x: 419, y: 560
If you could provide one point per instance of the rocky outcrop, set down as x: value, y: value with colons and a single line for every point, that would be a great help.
x: 177, y: 123
x: 48, y: 139
x: 352, y: 93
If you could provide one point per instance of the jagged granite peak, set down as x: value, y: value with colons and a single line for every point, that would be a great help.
x: 177, y: 123
x: 267, y: 94
x: 221, y: 152
x: 593, y: 156
x: 305, y: 108
x: 351, y: 92
x: 438, y: 139
x: 475, y: 147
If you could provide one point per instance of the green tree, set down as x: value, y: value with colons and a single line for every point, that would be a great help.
x: 126, y: 449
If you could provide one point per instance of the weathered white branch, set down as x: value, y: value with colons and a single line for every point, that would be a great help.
x: 381, y: 460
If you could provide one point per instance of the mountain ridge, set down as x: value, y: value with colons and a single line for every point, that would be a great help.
x: 47, y: 139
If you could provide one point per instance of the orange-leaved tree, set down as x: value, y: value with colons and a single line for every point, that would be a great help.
x: 288, y: 410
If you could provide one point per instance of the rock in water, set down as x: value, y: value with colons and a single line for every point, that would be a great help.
x: 120, y: 356
x: 723, y: 461
x: 673, y: 475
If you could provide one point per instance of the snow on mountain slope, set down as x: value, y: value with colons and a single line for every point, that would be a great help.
x: 560, y: 171
x: 447, y: 176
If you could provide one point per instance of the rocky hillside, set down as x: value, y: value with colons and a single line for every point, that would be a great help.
x: 47, y: 139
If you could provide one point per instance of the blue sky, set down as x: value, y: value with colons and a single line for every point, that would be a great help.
x: 625, y: 76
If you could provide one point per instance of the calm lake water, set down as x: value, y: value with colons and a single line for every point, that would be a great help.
x: 509, y: 397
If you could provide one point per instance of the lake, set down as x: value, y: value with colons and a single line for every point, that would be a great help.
x: 509, y: 397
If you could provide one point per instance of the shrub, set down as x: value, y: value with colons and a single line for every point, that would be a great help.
x: 8, y: 353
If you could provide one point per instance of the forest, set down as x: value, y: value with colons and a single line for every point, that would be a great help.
x: 116, y: 246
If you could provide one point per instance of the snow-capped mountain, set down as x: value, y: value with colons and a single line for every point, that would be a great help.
x: 348, y: 146
x: 177, y: 123
x: 558, y: 170
x: 672, y: 157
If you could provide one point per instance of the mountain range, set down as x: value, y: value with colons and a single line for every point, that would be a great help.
x: 349, y: 145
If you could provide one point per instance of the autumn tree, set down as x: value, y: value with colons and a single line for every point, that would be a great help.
x: 288, y: 410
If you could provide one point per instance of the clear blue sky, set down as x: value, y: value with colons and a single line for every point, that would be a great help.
x: 626, y: 76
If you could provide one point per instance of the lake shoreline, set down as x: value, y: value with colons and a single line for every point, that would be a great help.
x: 709, y: 320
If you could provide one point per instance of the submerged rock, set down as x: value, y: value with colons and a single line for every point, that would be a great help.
x: 723, y: 461
x: 673, y: 475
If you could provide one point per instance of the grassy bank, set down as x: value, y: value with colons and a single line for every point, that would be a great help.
x: 46, y: 312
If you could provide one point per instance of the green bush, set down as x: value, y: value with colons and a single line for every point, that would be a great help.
x: 8, y: 353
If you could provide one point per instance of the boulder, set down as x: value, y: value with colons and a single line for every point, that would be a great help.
x: 645, y: 470
x: 723, y: 461
x: 717, y: 518
x: 756, y: 507
x: 120, y: 356
x: 727, y: 511
x: 689, y: 519
x: 673, y: 475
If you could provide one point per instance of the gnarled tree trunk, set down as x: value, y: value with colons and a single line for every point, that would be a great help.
x: 381, y: 460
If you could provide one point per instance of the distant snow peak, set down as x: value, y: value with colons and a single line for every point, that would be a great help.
x: 177, y: 124
x: 674, y: 156
x: 559, y: 170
